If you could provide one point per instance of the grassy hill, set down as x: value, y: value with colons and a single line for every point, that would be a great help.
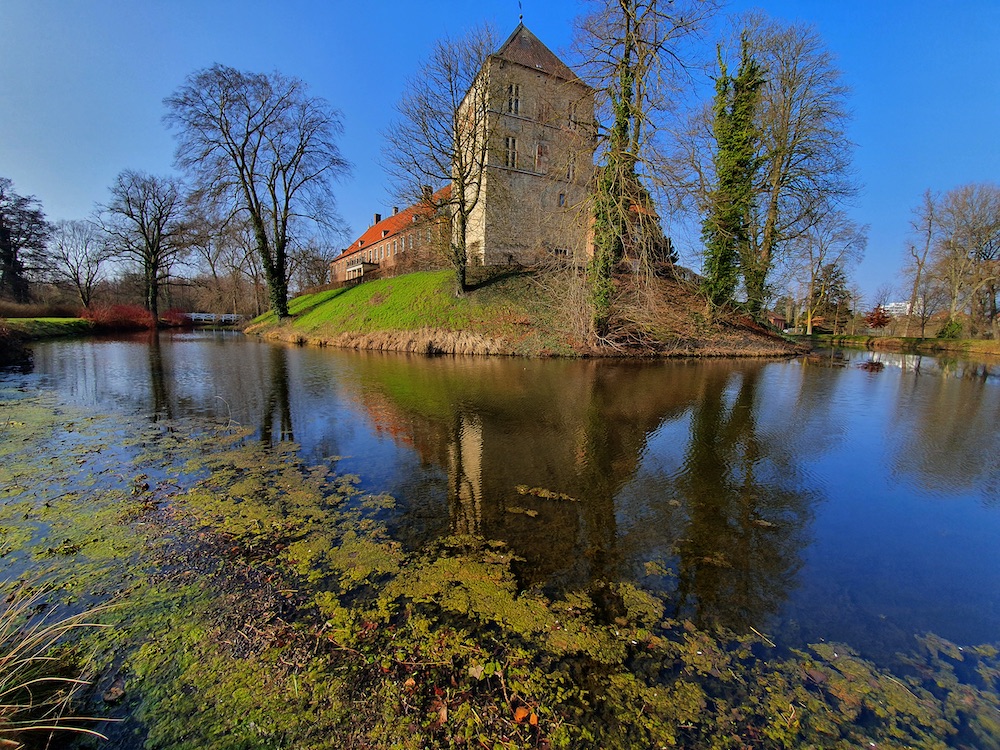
x: 522, y: 313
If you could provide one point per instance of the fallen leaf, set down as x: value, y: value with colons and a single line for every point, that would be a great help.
x: 520, y: 714
x: 533, y: 719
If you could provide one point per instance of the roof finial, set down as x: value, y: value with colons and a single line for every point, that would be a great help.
x: 520, y: 18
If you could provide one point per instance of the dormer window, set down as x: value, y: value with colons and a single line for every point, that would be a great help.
x: 385, y: 232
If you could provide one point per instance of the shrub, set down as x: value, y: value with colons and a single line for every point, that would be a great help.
x: 10, y: 309
x: 120, y: 318
x: 176, y: 319
x: 952, y: 329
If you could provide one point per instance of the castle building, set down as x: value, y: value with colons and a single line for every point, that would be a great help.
x: 534, y: 200
x: 541, y: 128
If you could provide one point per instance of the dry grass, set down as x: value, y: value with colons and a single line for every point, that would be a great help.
x: 36, y: 689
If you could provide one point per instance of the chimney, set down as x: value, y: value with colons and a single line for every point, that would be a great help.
x: 395, y: 210
x: 378, y: 218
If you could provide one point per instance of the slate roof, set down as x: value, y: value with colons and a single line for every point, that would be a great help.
x: 524, y: 48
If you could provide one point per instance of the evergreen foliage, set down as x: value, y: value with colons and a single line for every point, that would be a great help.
x: 24, y: 233
x: 726, y: 229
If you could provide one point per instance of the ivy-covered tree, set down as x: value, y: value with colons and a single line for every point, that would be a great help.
x: 636, y: 52
x: 726, y: 229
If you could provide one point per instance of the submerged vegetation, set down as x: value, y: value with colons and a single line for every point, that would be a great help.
x: 260, y: 601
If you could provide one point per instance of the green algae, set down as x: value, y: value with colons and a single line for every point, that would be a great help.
x: 259, y: 602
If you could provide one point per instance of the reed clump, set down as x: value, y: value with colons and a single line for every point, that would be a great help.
x: 39, y: 671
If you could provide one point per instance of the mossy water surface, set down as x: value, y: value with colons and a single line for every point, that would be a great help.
x: 258, y: 601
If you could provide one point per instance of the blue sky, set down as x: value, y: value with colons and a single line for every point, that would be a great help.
x: 82, y: 84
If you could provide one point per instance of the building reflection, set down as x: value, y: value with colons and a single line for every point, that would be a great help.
x: 538, y: 455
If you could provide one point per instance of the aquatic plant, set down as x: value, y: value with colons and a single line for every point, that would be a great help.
x: 37, y: 664
x: 260, y: 602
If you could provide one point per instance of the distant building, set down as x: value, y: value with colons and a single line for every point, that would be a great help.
x: 897, y: 309
x: 535, y: 201
x: 404, y: 240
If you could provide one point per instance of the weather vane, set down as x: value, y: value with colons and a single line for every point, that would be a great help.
x: 520, y: 11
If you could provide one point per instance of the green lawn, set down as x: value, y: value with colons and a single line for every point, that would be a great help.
x: 37, y: 328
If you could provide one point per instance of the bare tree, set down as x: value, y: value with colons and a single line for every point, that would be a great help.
x: 261, y: 146
x: 24, y: 233
x: 443, y: 134
x: 638, y: 53
x: 145, y: 224
x: 805, y: 153
x: 309, y: 265
x: 78, y: 253
x: 831, y: 244
x: 223, y: 256
x: 967, y: 252
x: 924, y: 225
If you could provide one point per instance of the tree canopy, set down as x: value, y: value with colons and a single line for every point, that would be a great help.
x: 260, y: 145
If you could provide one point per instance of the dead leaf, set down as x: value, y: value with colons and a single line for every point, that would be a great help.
x: 520, y: 714
x: 533, y: 719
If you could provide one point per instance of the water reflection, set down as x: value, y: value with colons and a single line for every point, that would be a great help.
x: 746, y: 529
x: 538, y: 455
x: 158, y: 381
x: 278, y: 401
x: 810, y: 491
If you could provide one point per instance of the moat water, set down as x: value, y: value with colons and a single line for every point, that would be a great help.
x: 844, y: 496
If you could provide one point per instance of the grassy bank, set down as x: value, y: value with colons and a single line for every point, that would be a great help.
x: 517, y: 313
x: 41, y: 328
x: 973, y: 347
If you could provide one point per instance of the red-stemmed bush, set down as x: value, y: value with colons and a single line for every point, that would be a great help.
x: 120, y: 318
x: 176, y: 319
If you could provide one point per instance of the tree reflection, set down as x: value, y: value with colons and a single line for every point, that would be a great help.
x: 742, y: 546
x: 277, y: 401
x: 158, y: 380
x: 945, y: 428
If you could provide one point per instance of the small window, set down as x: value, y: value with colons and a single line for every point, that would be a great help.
x: 540, y: 157
x: 562, y: 200
x: 571, y: 167
x: 572, y: 116
x: 510, y: 152
x: 395, y: 248
x: 514, y: 99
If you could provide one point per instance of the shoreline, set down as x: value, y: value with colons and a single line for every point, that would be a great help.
x: 964, y: 347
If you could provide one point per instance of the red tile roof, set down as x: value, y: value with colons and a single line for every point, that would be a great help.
x: 392, y: 225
